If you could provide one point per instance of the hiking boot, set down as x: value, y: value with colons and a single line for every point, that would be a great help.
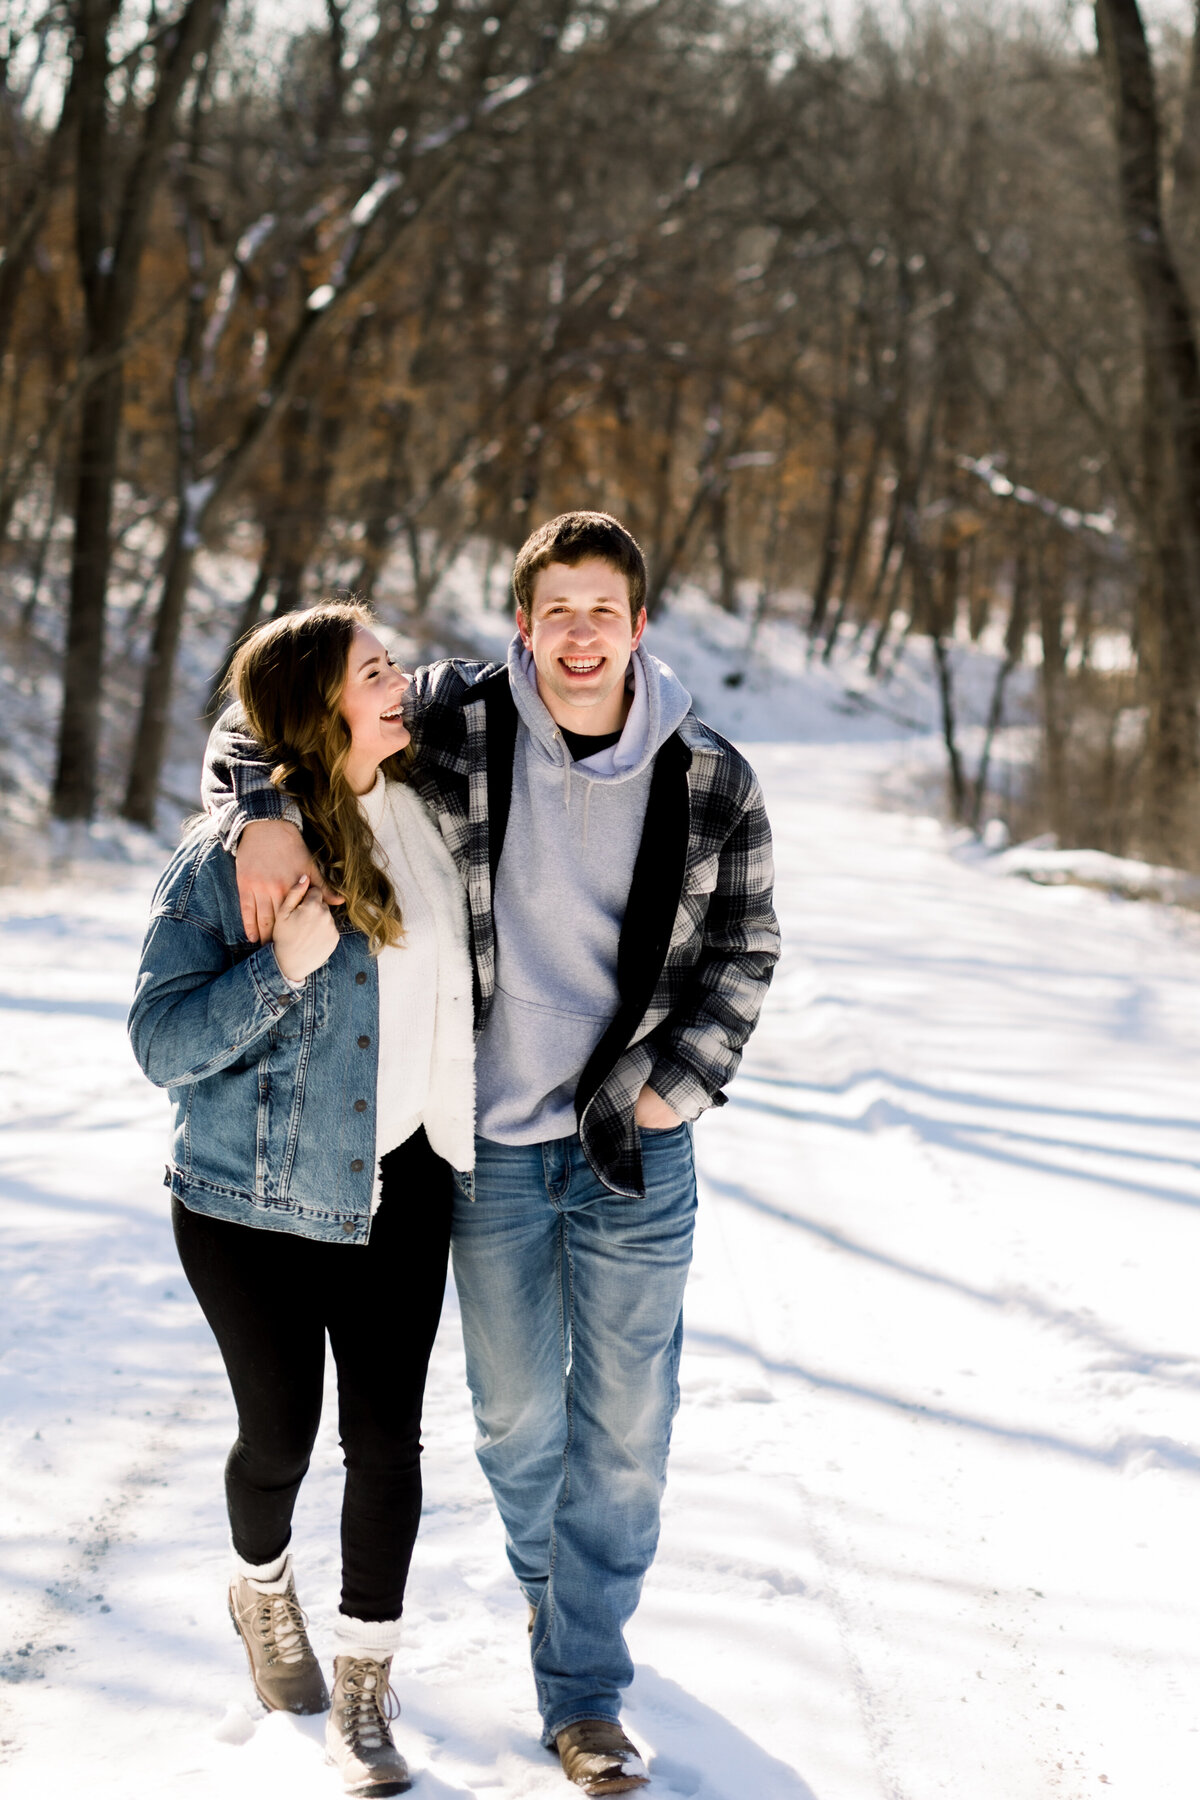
x: 598, y: 1757
x: 267, y: 1617
x: 358, y: 1741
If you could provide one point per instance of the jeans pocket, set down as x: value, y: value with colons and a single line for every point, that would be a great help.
x: 464, y: 1183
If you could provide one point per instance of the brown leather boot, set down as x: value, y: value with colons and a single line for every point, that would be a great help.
x: 598, y: 1757
x: 267, y: 1617
x: 358, y: 1741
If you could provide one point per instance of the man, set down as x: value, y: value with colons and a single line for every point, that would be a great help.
x: 617, y: 862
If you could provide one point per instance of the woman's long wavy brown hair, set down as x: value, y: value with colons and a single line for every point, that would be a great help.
x: 289, y: 677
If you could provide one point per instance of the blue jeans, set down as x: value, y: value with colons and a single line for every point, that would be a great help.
x: 572, y: 1313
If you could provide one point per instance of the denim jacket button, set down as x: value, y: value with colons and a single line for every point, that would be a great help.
x: 360, y: 977
x: 347, y: 1227
x: 356, y: 1165
x: 360, y: 1106
x: 364, y: 1043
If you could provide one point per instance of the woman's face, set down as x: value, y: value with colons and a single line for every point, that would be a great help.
x: 370, y: 705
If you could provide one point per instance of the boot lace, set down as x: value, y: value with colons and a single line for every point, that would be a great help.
x: 280, y: 1623
x: 368, y: 1705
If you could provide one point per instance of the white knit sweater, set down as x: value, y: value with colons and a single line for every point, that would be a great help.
x: 426, y: 1041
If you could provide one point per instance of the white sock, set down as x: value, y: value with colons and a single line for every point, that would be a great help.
x: 268, y: 1578
x: 376, y: 1638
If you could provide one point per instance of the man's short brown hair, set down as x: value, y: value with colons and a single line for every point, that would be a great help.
x: 575, y: 537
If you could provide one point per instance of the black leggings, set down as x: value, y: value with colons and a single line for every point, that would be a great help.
x: 270, y: 1297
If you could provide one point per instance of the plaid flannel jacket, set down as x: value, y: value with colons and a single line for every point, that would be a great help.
x: 700, y: 938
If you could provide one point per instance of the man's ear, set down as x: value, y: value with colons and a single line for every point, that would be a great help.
x: 639, y: 625
x: 523, y: 628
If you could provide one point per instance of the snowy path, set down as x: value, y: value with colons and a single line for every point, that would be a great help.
x: 928, y: 1531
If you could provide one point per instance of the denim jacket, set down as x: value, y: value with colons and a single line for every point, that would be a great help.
x: 273, y: 1087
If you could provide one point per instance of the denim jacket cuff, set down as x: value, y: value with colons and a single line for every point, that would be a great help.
x: 274, y: 989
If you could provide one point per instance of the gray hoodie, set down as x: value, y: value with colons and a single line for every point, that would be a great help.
x: 561, y: 888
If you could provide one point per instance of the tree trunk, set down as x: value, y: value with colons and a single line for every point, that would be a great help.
x: 662, y: 470
x: 83, y: 662
x: 1014, y: 646
x: 892, y: 536
x: 381, y: 506
x: 46, y: 536
x: 979, y: 588
x: 30, y: 213
x: 858, y: 544
x: 726, y: 572
x: 958, y: 786
x: 1054, y: 720
x: 890, y: 605
x: 935, y: 609
x: 708, y: 474
x: 289, y: 594
x: 831, y: 538
x: 1173, y: 379
x: 248, y: 618
x: 141, y: 793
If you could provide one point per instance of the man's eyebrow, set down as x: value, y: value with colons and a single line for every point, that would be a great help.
x: 596, y: 600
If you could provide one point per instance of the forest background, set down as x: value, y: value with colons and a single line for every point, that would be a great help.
x: 884, y: 321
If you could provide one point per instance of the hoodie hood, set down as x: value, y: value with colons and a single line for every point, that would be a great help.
x: 660, y: 705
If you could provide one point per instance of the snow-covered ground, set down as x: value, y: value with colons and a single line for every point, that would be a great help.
x: 931, y: 1520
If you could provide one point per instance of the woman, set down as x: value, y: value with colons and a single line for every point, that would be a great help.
x: 323, y: 1094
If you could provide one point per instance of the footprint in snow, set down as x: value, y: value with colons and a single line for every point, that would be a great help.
x: 671, y: 1777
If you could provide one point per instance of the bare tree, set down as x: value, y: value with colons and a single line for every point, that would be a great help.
x: 113, y: 209
x: 1171, y: 500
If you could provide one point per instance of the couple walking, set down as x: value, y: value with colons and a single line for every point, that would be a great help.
x: 558, y: 855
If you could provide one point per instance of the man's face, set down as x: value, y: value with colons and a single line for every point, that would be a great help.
x: 582, y: 636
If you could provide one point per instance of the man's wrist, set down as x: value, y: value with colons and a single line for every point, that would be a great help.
x: 236, y: 818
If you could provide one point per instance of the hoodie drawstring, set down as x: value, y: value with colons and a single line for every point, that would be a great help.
x: 567, y: 760
x: 568, y: 765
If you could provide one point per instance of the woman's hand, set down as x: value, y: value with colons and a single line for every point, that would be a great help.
x: 305, y: 934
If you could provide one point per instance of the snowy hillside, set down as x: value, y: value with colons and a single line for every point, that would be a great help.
x: 930, y: 1526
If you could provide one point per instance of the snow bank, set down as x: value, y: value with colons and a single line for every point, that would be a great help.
x: 1051, y: 867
